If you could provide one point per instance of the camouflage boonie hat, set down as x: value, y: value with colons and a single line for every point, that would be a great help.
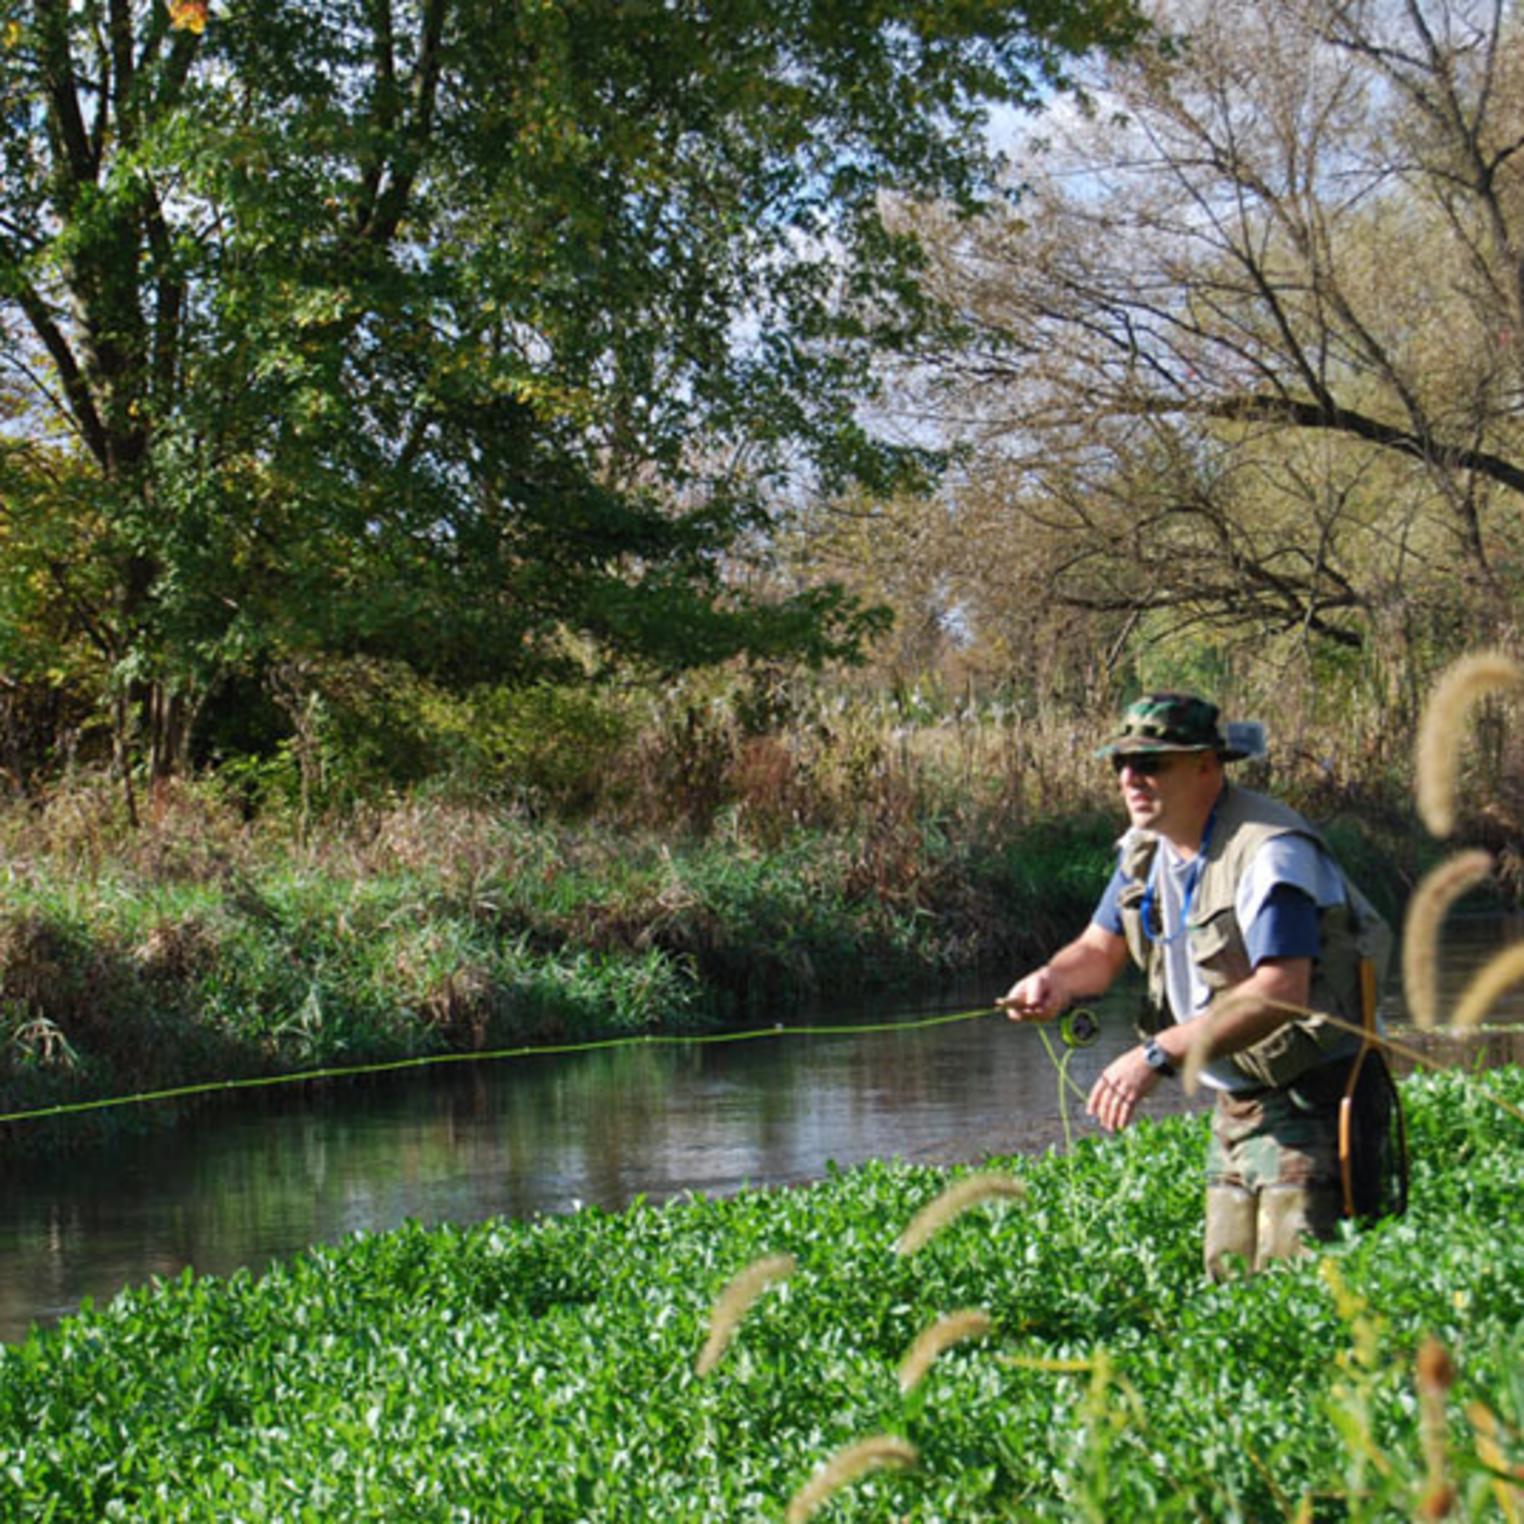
x: 1171, y: 722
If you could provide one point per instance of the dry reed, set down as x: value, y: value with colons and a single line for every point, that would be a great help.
x: 732, y: 1303
x: 955, y: 1199
x: 1204, y: 1028
x: 1437, y: 756
x: 1490, y: 981
x: 1436, y: 1375
x: 1486, y: 1429
x: 1431, y: 901
x: 951, y: 1328
x: 846, y: 1466
x: 1391, y: 1046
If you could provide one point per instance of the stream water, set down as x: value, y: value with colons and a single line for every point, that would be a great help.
x: 261, y: 1175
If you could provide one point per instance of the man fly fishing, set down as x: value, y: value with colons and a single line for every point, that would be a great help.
x: 1218, y: 892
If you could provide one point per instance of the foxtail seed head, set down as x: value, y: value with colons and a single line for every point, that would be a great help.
x: 955, y: 1199
x: 846, y: 1466
x: 949, y: 1329
x: 1436, y: 1375
x: 1479, y: 997
x: 1437, y: 759
x: 1436, y: 892
x: 732, y: 1303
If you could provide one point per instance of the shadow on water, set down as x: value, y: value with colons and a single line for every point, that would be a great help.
x: 262, y: 1175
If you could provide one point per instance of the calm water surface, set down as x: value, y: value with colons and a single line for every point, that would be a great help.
x: 260, y: 1176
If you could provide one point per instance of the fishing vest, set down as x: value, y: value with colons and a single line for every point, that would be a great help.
x: 1349, y: 934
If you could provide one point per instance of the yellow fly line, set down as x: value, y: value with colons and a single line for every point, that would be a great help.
x: 1071, y: 1037
x: 428, y: 1060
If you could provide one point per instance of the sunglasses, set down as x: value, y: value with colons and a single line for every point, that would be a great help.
x: 1146, y: 764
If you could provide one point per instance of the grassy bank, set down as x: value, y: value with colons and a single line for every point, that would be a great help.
x: 547, y: 1370
x: 205, y: 950
x: 686, y: 871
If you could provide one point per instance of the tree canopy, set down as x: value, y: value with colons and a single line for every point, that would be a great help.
x: 1247, y: 357
x: 449, y: 331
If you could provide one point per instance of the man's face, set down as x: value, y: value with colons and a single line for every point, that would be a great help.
x: 1164, y: 790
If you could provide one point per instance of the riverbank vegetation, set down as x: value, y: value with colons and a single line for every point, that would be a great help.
x: 548, y: 1369
x: 690, y: 871
x: 183, y: 954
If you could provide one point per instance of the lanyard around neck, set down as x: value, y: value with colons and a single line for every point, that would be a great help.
x: 1193, y: 878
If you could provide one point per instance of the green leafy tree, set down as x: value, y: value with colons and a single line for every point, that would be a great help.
x: 443, y: 330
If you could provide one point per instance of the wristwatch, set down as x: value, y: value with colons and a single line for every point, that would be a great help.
x: 1157, y: 1058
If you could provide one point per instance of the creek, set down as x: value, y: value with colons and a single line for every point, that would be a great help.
x: 261, y: 1175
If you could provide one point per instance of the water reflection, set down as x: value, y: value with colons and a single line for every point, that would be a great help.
x: 263, y: 1175
x: 251, y: 1181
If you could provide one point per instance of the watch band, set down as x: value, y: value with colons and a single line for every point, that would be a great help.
x: 1157, y: 1058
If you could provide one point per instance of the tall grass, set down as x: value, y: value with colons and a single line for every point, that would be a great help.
x: 716, y: 855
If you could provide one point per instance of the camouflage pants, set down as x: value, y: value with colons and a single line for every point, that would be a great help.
x: 1272, y: 1178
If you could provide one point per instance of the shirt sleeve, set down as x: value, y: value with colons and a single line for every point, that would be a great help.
x: 1108, y: 914
x: 1290, y: 879
x: 1285, y: 927
x: 1288, y: 859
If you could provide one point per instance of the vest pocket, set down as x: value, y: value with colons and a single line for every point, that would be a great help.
x: 1138, y: 936
x: 1217, y: 950
x: 1290, y: 1051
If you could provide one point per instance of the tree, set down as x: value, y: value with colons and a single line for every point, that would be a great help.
x: 1249, y: 355
x: 437, y: 329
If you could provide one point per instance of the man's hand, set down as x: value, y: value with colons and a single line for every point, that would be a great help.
x: 1038, y: 996
x: 1271, y: 995
x: 1085, y: 967
x: 1124, y: 1082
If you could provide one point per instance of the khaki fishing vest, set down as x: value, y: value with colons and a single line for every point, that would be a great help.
x: 1349, y: 933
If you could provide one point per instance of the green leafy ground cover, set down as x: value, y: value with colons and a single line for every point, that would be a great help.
x: 545, y: 1370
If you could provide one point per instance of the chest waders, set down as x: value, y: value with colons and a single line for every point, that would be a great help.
x: 1287, y: 1165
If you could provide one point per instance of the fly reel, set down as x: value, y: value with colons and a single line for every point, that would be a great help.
x: 1078, y: 1027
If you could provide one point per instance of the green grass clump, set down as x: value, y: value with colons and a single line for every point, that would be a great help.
x: 547, y: 1369
x: 429, y: 929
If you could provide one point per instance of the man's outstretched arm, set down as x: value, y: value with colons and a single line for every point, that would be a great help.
x: 1082, y: 968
